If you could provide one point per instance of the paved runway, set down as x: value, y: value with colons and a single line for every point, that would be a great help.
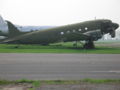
x: 59, y: 66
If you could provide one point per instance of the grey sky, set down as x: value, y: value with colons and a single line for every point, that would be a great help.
x: 58, y: 12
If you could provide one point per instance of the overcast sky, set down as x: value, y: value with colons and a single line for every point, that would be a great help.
x: 58, y: 12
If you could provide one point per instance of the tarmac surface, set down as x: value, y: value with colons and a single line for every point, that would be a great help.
x: 38, y: 66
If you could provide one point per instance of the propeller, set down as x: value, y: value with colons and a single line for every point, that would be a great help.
x: 112, y: 32
x: 112, y: 29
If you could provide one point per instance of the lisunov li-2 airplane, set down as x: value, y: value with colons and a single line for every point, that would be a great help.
x: 88, y: 31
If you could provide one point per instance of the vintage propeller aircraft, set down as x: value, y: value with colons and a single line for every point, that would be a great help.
x: 88, y: 31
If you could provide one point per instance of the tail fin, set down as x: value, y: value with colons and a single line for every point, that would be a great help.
x: 13, y: 31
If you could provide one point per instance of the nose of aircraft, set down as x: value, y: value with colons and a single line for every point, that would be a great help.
x: 113, y: 28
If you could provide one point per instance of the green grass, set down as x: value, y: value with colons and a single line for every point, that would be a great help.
x: 56, y: 48
x: 4, y: 82
x: 37, y: 83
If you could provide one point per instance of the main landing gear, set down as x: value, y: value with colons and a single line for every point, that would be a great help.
x: 89, y: 44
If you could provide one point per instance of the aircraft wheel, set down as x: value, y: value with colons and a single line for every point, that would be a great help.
x: 89, y: 45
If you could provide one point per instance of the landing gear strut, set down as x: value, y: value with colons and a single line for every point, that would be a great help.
x: 89, y: 44
x: 75, y: 44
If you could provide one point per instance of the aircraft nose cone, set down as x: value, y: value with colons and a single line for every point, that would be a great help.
x: 115, y: 25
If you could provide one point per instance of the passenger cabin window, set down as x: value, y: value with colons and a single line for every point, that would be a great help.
x: 61, y: 33
x: 73, y: 30
x: 80, y: 29
x: 86, y: 28
x: 68, y: 31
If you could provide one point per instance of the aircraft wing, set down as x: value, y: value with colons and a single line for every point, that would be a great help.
x: 94, y: 35
x: 75, y: 37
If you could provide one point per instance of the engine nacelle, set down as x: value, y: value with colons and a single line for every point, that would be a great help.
x: 94, y: 35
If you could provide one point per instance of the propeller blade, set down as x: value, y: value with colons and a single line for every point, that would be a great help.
x: 112, y: 33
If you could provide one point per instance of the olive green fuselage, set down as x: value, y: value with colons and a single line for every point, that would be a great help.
x: 58, y: 34
x: 87, y: 31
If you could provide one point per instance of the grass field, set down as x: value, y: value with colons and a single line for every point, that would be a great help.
x: 101, y: 48
x: 50, y: 82
x: 84, y: 84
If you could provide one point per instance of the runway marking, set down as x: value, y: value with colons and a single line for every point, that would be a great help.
x: 111, y: 71
x: 114, y: 71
